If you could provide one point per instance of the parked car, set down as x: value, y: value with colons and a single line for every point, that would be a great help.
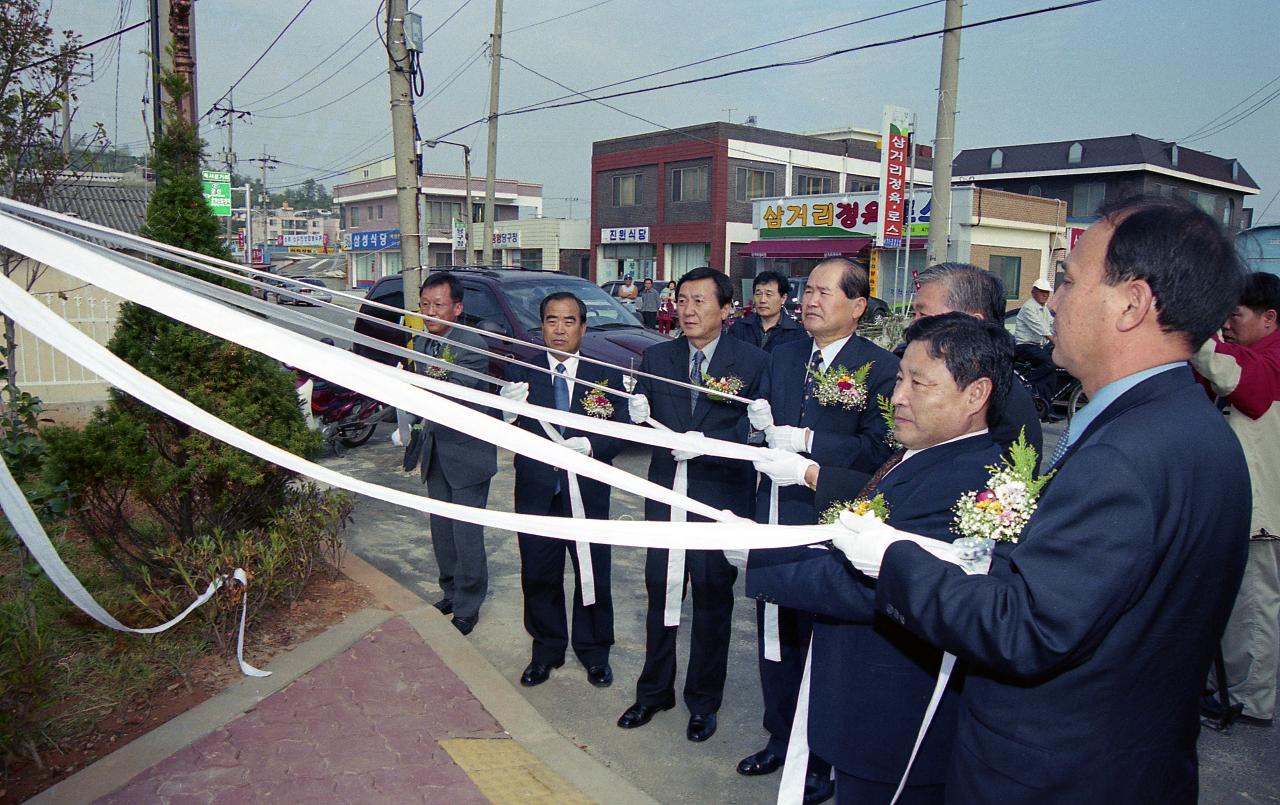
x: 303, y: 291
x: 269, y: 279
x: 504, y: 301
x: 611, y: 287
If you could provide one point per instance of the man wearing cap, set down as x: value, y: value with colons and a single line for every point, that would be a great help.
x: 1033, y: 332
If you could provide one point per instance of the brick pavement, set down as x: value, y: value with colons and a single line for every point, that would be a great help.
x: 385, y: 721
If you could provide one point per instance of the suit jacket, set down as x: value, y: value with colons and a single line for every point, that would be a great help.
x: 715, y: 481
x: 536, y: 480
x: 841, y: 438
x: 1019, y: 413
x: 465, y: 459
x: 870, y: 678
x: 1089, y: 641
x: 747, y: 328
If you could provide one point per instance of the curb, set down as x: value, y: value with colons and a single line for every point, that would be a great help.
x: 118, y: 768
x: 495, y: 692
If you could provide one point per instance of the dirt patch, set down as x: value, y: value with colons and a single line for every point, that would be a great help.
x: 326, y: 600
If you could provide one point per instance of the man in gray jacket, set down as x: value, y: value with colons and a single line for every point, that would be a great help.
x: 456, y: 466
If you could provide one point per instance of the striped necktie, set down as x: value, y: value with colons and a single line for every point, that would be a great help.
x: 695, y: 377
x: 811, y: 375
x: 895, y: 458
x: 1060, y: 449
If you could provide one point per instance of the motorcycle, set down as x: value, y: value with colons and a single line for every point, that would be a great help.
x: 1067, y: 391
x: 345, y: 418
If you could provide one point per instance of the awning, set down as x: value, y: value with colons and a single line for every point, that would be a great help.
x: 807, y: 247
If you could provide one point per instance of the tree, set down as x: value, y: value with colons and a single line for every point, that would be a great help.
x: 148, y: 481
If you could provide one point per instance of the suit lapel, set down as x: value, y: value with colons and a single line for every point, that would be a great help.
x: 721, y: 365
x: 680, y: 397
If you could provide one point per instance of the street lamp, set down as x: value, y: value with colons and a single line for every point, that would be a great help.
x: 466, y: 166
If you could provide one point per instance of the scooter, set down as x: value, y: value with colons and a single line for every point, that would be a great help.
x: 343, y: 417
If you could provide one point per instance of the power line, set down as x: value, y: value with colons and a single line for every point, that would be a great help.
x: 1229, y: 111
x: 794, y: 63
x: 315, y: 67
x: 1237, y: 119
x: 64, y: 53
x: 553, y: 19
x: 260, y: 58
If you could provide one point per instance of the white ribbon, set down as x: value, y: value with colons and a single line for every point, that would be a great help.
x: 796, y: 766
x: 586, y: 571
x: 673, y: 600
x: 32, y: 533
x: 771, y: 638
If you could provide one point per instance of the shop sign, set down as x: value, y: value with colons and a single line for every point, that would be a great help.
x: 373, y: 241
x: 316, y: 239
x: 459, y: 235
x: 217, y: 191
x: 627, y: 234
x: 873, y: 272
x: 845, y: 215
x: 506, y: 240
x: 305, y: 249
x: 894, y: 138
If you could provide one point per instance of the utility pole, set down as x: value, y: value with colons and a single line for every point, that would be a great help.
x: 265, y: 163
x: 229, y: 156
x: 173, y: 47
x: 406, y: 151
x: 491, y: 161
x: 470, y: 208
x: 944, y: 141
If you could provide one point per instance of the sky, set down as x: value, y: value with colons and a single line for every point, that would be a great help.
x: 1162, y: 68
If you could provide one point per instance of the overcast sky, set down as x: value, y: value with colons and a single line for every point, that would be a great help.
x: 1163, y: 68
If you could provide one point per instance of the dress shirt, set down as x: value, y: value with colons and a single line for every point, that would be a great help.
x: 907, y: 455
x: 830, y: 351
x: 570, y: 370
x: 707, y: 352
x: 1034, y: 324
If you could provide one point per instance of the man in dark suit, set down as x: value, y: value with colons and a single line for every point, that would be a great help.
x: 795, y: 419
x: 869, y: 678
x: 542, y: 489
x: 1088, y: 643
x: 703, y: 298
x: 769, y: 324
x: 945, y: 287
x: 456, y: 466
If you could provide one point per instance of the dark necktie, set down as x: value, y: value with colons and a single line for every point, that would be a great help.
x: 433, y: 348
x: 811, y: 381
x: 695, y: 377
x: 560, y: 388
x: 894, y: 459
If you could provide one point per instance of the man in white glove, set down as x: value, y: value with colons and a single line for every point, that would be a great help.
x: 543, y: 489
x: 822, y: 429
x: 785, y: 468
x: 703, y: 298
x: 516, y: 392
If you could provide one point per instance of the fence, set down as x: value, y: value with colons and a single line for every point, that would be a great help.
x: 52, y: 376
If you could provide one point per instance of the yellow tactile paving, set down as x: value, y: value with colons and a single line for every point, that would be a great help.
x: 507, y: 773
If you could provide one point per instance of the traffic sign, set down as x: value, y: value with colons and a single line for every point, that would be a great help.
x: 217, y: 192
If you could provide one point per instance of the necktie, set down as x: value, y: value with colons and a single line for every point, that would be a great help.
x: 695, y: 377
x: 811, y: 381
x: 1060, y: 449
x: 433, y: 348
x: 560, y: 388
x: 894, y: 459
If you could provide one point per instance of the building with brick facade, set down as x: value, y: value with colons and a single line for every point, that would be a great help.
x: 666, y: 202
x: 1087, y: 173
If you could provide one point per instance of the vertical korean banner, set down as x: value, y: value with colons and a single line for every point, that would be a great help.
x: 894, y: 139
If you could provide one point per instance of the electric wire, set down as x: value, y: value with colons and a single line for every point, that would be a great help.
x: 258, y: 60
x: 78, y: 48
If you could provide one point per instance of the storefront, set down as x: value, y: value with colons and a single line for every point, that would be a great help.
x: 626, y: 251
x: 371, y: 256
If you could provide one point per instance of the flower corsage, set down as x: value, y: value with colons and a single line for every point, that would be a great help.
x: 1001, y: 510
x: 596, y: 403
x: 886, y: 413
x: 876, y: 506
x: 839, y: 387
x: 447, y: 355
x: 728, y: 384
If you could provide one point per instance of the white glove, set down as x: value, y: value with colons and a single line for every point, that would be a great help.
x: 784, y: 468
x: 638, y: 408
x: 760, y: 414
x: 788, y: 437
x: 516, y: 392
x: 866, y: 537
x: 395, y: 438
x: 579, y: 444
x: 687, y: 455
x: 737, y: 557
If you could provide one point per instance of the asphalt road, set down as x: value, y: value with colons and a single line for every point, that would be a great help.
x: 1240, y: 767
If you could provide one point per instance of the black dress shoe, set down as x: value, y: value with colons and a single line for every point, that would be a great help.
x: 465, y: 625
x: 701, y: 727
x: 536, y: 673
x: 445, y: 605
x: 818, y: 787
x: 637, y: 715
x: 762, y: 762
x: 600, y: 675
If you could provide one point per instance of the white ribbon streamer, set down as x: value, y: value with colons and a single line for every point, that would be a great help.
x: 796, y: 766
x: 673, y: 598
x: 586, y: 570
x: 772, y: 639
x: 24, y: 521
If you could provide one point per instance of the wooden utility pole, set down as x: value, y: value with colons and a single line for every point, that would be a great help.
x: 491, y: 160
x: 173, y: 48
x: 406, y: 152
x: 944, y: 141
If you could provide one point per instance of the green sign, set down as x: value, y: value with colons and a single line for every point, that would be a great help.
x: 217, y: 192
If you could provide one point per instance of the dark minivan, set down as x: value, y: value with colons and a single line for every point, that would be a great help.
x: 505, y: 301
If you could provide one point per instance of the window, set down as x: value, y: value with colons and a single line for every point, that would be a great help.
x: 1227, y: 210
x: 480, y: 305
x: 754, y: 183
x: 1009, y: 270
x: 368, y: 212
x: 444, y: 260
x: 858, y: 184
x: 531, y: 258
x: 684, y: 257
x: 442, y: 213
x: 997, y: 159
x: 689, y: 184
x: 812, y: 185
x: 626, y: 190
x: 1205, y: 201
x: 1034, y: 190
x: 1075, y: 153
x: 1086, y: 198
x: 379, y: 212
x: 354, y: 215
